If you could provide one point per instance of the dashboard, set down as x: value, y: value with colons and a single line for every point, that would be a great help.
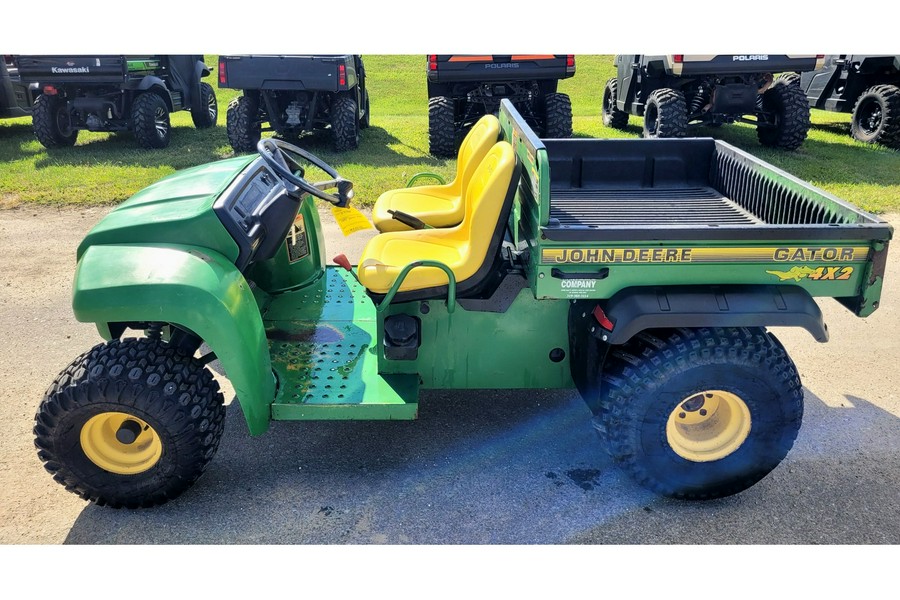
x: 257, y: 211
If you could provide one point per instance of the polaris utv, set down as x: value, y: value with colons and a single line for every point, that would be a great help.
x: 295, y: 95
x: 866, y: 86
x: 15, y: 99
x: 116, y: 93
x: 463, y: 88
x: 677, y: 92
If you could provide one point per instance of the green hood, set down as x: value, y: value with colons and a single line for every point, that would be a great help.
x: 177, y: 209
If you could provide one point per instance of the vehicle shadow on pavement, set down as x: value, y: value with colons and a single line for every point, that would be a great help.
x: 498, y: 467
x: 833, y: 488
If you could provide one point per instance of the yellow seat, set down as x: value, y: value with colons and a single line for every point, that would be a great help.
x: 467, y: 249
x: 439, y: 205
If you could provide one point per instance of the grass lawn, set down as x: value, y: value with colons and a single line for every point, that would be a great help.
x: 107, y: 168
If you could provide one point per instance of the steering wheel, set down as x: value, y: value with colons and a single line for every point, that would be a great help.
x: 280, y: 156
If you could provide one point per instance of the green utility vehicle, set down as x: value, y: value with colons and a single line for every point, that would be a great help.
x: 641, y: 272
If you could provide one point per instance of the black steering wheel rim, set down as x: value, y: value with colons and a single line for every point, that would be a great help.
x: 276, y: 153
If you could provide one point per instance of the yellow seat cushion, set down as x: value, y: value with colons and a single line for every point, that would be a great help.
x: 462, y: 248
x: 440, y: 205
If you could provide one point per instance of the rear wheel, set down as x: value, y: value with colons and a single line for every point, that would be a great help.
x: 557, y: 116
x: 876, y: 116
x: 242, y: 124
x: 700, y: 413
x: 130, y: 423
x: 345, y: 123
x: 52, y: 123
x: 665, y: 114
x: 150, y: 119
x: 612, y: 116
x: 784, y: 120
x: 442, y: 127
x: 207, y: 110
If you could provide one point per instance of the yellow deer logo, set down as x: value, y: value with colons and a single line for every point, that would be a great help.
x: 796, y: 273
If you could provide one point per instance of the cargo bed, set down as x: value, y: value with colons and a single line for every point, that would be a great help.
x: 696, y: 188
x: 597, y: 217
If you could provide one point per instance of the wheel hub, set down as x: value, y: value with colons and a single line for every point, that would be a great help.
x: 708, y: 426
x: 120, y: 443
x: 871, y: 119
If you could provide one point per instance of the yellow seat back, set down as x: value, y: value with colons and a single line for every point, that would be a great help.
x: 484, y: 200
x: 468, y: 249
x: 474, y: 147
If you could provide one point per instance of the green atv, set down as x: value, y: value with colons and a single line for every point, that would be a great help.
x: 642, y: 273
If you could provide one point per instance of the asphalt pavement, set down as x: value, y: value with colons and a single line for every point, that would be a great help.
x: 477, y: 467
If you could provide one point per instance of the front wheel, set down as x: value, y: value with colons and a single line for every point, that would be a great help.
x: 150, y: 119
x: 700, y: 413
x: 206, y: 111
x: 612, y: 116
x: 442, y: 127
x: 52, y: 122
x: 876, y: 116
x: 364, y: 121
x: 130, y: 423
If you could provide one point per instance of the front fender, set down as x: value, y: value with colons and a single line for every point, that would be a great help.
x: 195, y: 288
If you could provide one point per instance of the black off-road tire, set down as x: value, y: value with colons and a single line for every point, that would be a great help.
x: 876, y: 116
x: 612, y: 116
x: 148, y: 379
x: 365, y: 120
x: 645, y: 380
x: 242, y: 124
x: 557, y: 116
x: 665, y: 114
x: 345, y: 123
x: 150, y: 121
x: 442, y: 127
x: 206, y: 112
x: 791, y: 110
x: 50, y: 122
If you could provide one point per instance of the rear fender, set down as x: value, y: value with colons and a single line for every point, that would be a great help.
x: 194, y: 288
x: 157, y: 86
x: 633, y: 310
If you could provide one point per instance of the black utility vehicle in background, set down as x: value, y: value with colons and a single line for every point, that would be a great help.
x: 116, y: 93
x: 867, y: 86
x: 292, y: 95
x: 463, y: 88
x: 15, y: 98
x: 676, y: 92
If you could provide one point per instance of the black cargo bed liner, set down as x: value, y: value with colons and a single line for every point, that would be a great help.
x: 682, y: 206
x: 678, y: 189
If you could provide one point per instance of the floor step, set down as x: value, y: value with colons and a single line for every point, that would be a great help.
x: 323, y: 345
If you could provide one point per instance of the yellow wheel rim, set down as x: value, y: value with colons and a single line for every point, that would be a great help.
x: 708, y: 426
x: 120, y: 443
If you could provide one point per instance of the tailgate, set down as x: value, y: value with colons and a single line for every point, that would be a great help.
x: 687, y: 65
x: 50, y: 69
x: 280, y: 72
x: 444, y: 68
